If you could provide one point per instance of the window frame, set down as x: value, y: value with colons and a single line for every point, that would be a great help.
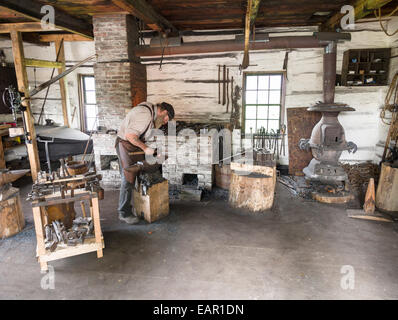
x: 282, y: 98
x: 82, y: 101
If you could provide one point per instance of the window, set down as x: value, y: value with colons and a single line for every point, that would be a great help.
x: 262, y: 102
x: 89, y: 106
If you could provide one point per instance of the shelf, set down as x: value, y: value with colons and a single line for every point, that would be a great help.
x: 63, y: 251
x: 366, y: 63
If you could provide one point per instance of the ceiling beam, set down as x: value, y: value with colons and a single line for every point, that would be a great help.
x: 287, y: 42
x: 251, y: 14
x: 361, y: 7
x: 65, y: 36
x: 22, y: 27
x: 142, y: 10
x: 62, y: 20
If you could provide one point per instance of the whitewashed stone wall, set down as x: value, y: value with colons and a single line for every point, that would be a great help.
x: 190, y: 83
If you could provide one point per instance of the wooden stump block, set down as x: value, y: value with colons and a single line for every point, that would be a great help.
x: 155, y: 204
x: 223, y: 176
x: 369, y: 205
x: 252, y: 186
x: 387, y: 189
x: 12, y: 220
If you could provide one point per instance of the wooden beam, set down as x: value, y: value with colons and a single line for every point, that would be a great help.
x: 22, y: 27
x: 67, y: 37
x: 22, y: 78
x: 229, y: 45
x: 142, y: 10
x: 60, y: 51
x: 361, y: 7
x: 251, y: 14
x: 62, y: 20
x: 42, y: 63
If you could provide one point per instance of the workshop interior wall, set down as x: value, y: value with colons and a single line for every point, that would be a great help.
x: 190, y: 83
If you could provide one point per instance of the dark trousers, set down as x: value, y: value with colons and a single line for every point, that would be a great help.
x: 126, y: 191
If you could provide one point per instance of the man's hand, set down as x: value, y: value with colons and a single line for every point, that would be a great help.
x: 149, y: 151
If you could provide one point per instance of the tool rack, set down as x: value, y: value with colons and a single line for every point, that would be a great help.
x: 41, y: 219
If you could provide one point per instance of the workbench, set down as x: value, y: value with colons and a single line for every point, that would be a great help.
x: 41, y: 219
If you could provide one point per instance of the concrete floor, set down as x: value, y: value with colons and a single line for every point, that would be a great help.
x: 209, y: 250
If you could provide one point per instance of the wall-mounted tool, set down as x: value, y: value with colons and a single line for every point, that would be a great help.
x: 12, y: 99
x: 219, y: 84
x: 224, y: 74
x: 227, y: 86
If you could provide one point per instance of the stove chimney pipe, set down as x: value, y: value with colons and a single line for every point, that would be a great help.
x: 329, y: 71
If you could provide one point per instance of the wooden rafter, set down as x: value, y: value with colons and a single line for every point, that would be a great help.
x: 65, y: 36
x: 251, y: 14
x: 142, y: 10
x: 62, y: 20
x: 22, y: 27
x: 361, y: 7
x: 42, y: 63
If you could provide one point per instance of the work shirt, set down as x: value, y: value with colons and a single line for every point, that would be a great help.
x: 137, y: 121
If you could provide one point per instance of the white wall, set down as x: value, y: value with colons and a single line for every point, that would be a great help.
x: 198, y: 99
x: 74, y: 52
x: 189, y: 83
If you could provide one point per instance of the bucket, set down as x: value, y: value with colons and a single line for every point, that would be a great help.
x: 77, y: 167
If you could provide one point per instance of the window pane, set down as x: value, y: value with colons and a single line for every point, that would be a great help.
x: 91, y: 124
x: 89, y: 83
x: 262, y: 123
x: 251, y: 83
x: 275, y: 82
x: 251, y: 97
x: 250, y: 124
x: 274, y: 97
x: 263, y: 82
x: 273, y: 124
x: 274, y: 112
x: 250, y: 112
x: 91, y: 111
x: 90, y: 97
x: 262, y: 97
x: 262, y: 112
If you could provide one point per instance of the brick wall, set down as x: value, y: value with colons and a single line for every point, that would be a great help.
x: 121, y: 80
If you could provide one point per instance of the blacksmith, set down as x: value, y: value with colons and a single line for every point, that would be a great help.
x: 134, y: 132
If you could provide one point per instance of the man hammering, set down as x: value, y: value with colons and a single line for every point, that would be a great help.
x: 134, y: 131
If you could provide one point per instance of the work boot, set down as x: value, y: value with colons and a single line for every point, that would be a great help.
x: 129, y: 219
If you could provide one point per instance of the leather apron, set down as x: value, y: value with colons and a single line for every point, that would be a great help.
x: 124, y: 147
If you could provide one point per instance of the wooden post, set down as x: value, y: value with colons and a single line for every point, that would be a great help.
x: 41, y: 250
x: 59, y: 47
x: 97, y: 225
x: 22, y: 78
x: 369, y: 205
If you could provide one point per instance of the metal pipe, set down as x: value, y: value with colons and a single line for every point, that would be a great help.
x: 329, y: 72
x: 232, y: 45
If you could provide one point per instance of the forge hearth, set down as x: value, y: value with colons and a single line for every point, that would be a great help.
x: 327, y: 143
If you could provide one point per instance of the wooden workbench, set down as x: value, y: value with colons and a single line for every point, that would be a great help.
x: 40, y: 220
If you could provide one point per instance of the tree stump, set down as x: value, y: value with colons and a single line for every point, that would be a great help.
x: 387, y: 189
x: 155, y: 204
x: 223, y: 176
x: 252, y: 186
x: 12, y: 220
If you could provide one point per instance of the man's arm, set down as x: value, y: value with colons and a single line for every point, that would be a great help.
x: 135, y: 140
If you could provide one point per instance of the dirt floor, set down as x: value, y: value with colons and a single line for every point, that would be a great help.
x: 208, y: 250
